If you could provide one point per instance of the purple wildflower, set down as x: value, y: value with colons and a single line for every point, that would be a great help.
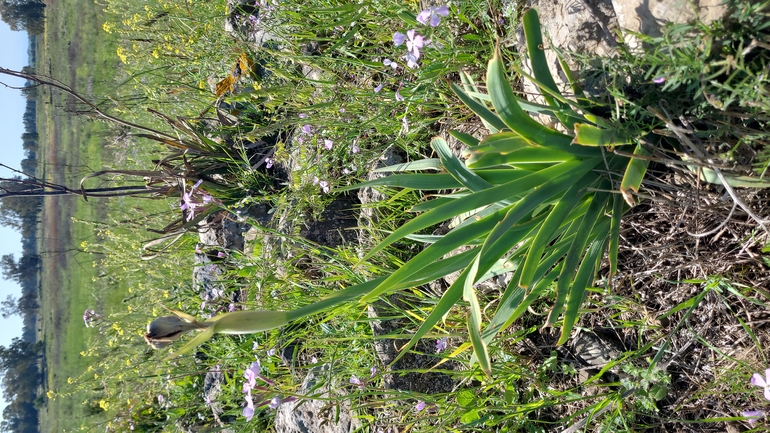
x: 414, y: 42
x: 231, y: 307
x: 393, y: 65
x: 398, y: 96
x: 753, y: 415
x: 324, y: 186
x: 373, y: 370
x: 399, y: 38
x: 356, y: 381
x: 441, y: 345
x: 88, y: 317
x: 764, y: 382
x: 420, y: 406
x: 411, y: 60
x: 271, y: 351
x: 251, y: 374
x: 659, y: 80
x: 275, y: 402
x: 269, y: 162
x: 302, y: 115
x: 378, y: 88
x: 248, y: 411
x: 342, y: 110
x: 433, y: 14
x: 328, y: 144
x: 354, y: 148
x: 308, y: 129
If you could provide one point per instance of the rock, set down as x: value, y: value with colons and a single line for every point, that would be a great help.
x: 648, y: 17
x: 331, y: 414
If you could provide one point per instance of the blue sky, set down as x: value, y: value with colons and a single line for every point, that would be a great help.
x: 13, y: 55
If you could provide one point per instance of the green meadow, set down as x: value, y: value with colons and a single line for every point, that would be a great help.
x: 506, y: 250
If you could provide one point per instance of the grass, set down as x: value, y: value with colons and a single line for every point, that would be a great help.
x: 689, y: 330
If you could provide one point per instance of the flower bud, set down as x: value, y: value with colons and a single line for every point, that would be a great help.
x: 165, y: 330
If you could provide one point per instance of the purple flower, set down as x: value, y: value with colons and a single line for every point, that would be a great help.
x: 659, y: 80
x: 324, y: 186
x: 302, y: 115
x: 354, y: 148
x: 342, y: 110
x: 393, y: 65
x: 192, y: 200
x: 328, y: 144
x: 378, y: 88
x: 251, y: 374
x: 753, y: 415
x: 248, y: 411
x: 399, y: 38
x: 420, y: 406
x: 414, y: 42
x: 221, y: 254
x: 398, y: 96
x: 315, y: 180
x: 764, y: 382
x: 356, y: 381
x: 411, y: 60
x: 373, y: 370
x: 434, y: 14
x: 271, y: 352
x: 441, y: 345
x: 269, y: 162
x: 231, y: 307
x: 308, y: 129
x: 275, y: 402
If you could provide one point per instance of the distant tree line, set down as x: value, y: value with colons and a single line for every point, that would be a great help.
x: 22, y: 15
x: 19, y: 362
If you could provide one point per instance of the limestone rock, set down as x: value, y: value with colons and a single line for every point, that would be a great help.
x: 316, y: 416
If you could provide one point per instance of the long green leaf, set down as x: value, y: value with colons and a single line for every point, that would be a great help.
x: 584, y: 277
x: 576, y: 252
x: 422, y: 164
x: 632, y: 178
x: 617, y: 214
x: 478, y: 200
x: 474, y: 318
x: 551, y: 224
x: 491, y: 120
x: 456, y: 168
x: 418, y: 181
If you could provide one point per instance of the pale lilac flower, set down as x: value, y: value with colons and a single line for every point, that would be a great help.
x: 373, y: 370
x: 441, y: 345
x: 302, y: 115
x: 659, y: 80
x: 414, y: 42
x: 269, y: 162
x: 345, y: 171
x: 255, y: 346
x: 405, y: 124
x: 398, y: 96
x: 393, y: 65
x: 271, y: 352
x: 764, y: 382
x: 248, y: 411
x: 354, y: 148
x: 342, y: 110
x: 161, y: 398
x: 420, y: 406
x: 378, y: 88
x: 300, y: 140
x: 252, y: 373
x: 753, y: 416
x: 220, y: 254
x: 253, y: 20
x: 308, y: 129
x: 275, y: 402
x: 328, y: 144
x: 198, y: 249
x: 315, y: 180
x: 231, y: 307
x: 434, y: 14
x: 411, y: 60
x: 356, y: 381
x: 314, y: 360
x: 399, y: 38
x: 192, y: 201
x: 324, y: 186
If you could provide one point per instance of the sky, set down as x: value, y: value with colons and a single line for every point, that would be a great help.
x: 13, y: 55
